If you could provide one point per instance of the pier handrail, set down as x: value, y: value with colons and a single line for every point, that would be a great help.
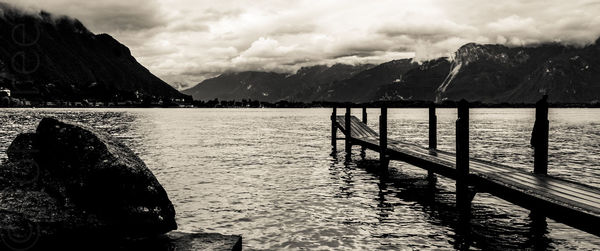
x: 569, y: 202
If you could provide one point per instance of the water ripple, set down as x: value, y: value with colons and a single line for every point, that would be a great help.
x: 270, y: 175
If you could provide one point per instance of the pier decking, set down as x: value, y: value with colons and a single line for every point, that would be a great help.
x: 574, y: 204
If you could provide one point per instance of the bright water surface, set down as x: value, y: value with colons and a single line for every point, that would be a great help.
x: 270, y: 175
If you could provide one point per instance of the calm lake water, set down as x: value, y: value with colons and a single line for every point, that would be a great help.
x: 270, y: 175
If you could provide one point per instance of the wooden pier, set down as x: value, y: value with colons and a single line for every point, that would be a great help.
x: 574, y: 204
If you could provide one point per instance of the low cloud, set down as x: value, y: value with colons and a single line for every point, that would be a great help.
x: 186, y: 41
x: 103, y: 16
x: 294, y: 29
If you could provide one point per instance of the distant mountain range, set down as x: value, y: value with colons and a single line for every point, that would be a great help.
x: 306, y: 85
x: 46, y: 57
x: 486, y: 73
x: 57, y: 58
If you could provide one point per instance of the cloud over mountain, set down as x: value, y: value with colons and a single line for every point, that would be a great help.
x: 188, y: 40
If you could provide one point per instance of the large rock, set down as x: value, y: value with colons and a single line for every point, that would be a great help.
x: 23, y: 147
x: 66, y: 187
x: 31, y: 210
x: 173, y: 241
x: 103, y: 176
x: 66, y: 179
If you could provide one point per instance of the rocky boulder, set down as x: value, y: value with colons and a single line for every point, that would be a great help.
x: 23, y: 147
x: 67, y: 179
x: 104, y: 176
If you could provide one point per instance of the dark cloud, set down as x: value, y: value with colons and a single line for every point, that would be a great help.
x: 189, y: 27
x: 104, y: 16
x: 432, y: 32
x: 186, y: 41
x: 360, y: 49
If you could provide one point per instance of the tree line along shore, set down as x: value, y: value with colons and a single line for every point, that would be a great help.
x: 10, y: 102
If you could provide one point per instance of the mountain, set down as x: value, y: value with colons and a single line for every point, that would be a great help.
x: 48, y: 57
x: 496, y: 73
x: 570, y: 77
x: 364, y: 86
x: 486, y: 73
x: 304, y: 85
x: 264, y: 86
x: 419, y: 83
x: 308, y: 82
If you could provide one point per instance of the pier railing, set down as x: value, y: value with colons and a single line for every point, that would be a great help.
x: 566, y: 201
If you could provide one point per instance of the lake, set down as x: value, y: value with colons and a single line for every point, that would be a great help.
x: 271, y: 176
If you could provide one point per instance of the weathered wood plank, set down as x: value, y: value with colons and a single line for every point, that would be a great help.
x: 527, y: 180
x: 507, y: 182
x: 357, y: 124
x: 357, y: 128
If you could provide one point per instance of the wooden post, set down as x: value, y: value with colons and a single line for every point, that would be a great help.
x: 364, y: 115
x: 463, y: 198
x: 538, y: 227
x: 348, y: 128
x: 539, y: 137
x: 432, y: 128
x: 432, y: 138
x: 334, y: 127
x: 363, y: 149
x: 383, y: 138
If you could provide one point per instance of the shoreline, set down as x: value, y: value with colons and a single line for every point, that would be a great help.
x: 373, y: 106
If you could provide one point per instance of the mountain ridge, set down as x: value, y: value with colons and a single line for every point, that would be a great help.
x: 495, y: 73
x: 304, y: 85
x: 488, y: 73
x: 58, y: 58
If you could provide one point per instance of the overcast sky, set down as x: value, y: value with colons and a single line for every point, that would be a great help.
x: 190, y: 40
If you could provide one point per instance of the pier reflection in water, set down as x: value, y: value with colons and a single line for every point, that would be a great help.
x: 493, y: 223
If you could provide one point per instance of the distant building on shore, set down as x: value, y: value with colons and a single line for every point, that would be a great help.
x: 4, y: 92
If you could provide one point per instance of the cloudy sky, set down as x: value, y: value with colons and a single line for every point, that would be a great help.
x: 189, y: 40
